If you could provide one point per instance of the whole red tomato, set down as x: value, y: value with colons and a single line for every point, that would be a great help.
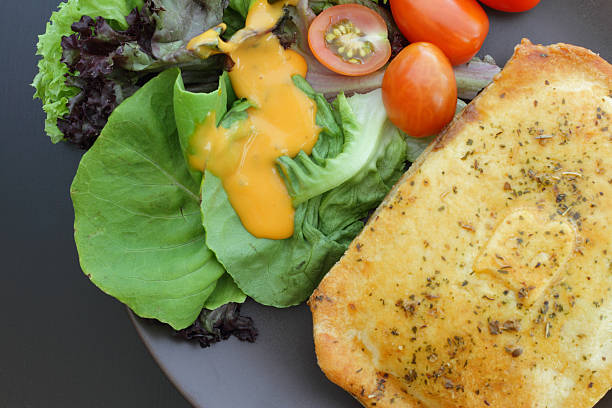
x: 511, y: 5
x: 458, y: 27
x: 419, y: 90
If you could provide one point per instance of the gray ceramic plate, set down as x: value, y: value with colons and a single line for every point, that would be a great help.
x: 279, y: 370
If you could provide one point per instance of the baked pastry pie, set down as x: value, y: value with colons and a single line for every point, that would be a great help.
x: 485, y: 277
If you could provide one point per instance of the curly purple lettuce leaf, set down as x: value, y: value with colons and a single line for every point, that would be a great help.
x: 93, y: 56
x: 49, y: 82
x: 213, y: 326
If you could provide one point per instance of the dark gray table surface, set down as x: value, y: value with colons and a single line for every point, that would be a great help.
x: 65, y: 344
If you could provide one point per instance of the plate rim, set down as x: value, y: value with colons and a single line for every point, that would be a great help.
x: 135, y: 320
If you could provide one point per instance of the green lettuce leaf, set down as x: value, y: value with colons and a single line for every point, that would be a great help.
x: 241, y: 6
x: 137, y: 217
x: 225, y: 292
x: 356, y: 198
x: 362, y: 127
x: 191, y: 109
x: 50, y: 80
x: 235, y: 16
x: 279, y: 273
x: 283, y: 273
x: 236, y: 113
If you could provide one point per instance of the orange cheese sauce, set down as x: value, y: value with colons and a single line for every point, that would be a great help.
x: 281, y: 123
x: 263, y: 16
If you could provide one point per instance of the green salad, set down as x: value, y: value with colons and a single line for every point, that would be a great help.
x: 116, y: 78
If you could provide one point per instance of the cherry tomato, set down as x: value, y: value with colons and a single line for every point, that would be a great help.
x: 458, y: 27
x: 350, y: 39
x: 419, y: 90
x: 511, y: 5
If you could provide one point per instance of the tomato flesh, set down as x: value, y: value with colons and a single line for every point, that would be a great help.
x: 350, y: 39
x: 419, y: 90
x: 514, y: 6
x: 457, y: 27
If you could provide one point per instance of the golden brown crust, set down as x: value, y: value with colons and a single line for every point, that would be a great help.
x: 485, y: 278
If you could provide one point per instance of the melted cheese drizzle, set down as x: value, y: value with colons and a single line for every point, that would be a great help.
x: 282, y: 123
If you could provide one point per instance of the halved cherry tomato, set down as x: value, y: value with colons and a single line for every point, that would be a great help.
x: 350, y: 39
x: 511, y: 5
x: 419, y: 90
x: 458, y: 27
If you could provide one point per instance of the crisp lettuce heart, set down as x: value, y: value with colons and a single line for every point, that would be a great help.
x: 284, y: 272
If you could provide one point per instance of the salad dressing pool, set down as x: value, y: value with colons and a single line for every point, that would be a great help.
x: 281, y: 122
